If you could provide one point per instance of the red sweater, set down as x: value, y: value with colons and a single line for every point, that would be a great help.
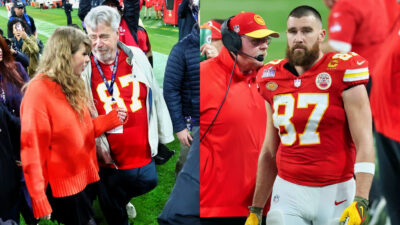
x: 56, y: 147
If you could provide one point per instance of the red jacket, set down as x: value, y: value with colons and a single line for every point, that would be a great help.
x: 56, y: 147
x: 230, y: 149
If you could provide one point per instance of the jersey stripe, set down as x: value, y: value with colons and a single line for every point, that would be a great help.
x: 356, y: 74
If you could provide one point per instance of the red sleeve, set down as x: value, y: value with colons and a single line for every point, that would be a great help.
x: 342, y: 23
x: 106, y: 122
x: 355, y: 69
x: 35, y: 142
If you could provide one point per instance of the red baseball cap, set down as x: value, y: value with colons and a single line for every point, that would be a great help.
x: 215, y: 28
x: 250, y: 24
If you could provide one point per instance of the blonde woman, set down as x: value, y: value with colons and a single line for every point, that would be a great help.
x: 58, y: 150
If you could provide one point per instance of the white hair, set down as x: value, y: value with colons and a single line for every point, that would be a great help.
x: 103, y: 14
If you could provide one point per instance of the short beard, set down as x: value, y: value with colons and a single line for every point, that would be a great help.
x: 104, y: 58
x: 306, y: 58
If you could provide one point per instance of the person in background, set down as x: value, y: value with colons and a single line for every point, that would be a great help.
x: 25, y: 42
x: 385, y: 106
x: 359, y: 26
x: 18, y: 56
x: 61, y: 169
x: 121, y: 75
x: 9, y: 172
x: 12, y: 77
x: 182, y: 91
x: 158, y: 5
x: 147, y: 11
x: 317, y: 158
x: 182, y: 95
x: 232, y: 120
x: 68, y: 9
x: 18, y: 11
x: 187, y: 16
x: 212, y: 50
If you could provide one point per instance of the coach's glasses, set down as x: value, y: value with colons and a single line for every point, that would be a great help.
x: 258, y: 41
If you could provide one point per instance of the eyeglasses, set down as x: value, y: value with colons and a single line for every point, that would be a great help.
x: 102, y: 37
x: 258, y: 41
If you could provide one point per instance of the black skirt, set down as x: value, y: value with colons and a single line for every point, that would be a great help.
x: 75, y: 209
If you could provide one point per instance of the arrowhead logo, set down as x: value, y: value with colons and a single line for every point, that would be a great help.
x: 360, y: 63
x: 338, y: 203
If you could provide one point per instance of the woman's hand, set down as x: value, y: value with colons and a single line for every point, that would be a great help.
x: 122, y: 114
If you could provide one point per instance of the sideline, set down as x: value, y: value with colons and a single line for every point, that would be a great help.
x: 46, y: 29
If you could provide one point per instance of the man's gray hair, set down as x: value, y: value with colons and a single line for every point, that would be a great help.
x: 103, y: 14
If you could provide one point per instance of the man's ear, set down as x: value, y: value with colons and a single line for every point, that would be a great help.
x: 322, y: 35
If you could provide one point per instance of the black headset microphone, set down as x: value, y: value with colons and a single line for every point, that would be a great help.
x: 259, y: 58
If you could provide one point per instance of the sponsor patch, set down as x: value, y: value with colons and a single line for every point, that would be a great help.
x: 272, y: 86
x: 323, y: 81
x: 297, y: 83
x: 270, y: 72
x: 259, y: 20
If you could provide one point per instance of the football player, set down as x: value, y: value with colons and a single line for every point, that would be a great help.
x: 318, y: 132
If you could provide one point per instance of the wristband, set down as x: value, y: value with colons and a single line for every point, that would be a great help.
x: 364, y: 167
x: 256, y: 210
x: 364, y: 202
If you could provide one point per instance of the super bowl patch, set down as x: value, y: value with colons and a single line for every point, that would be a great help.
x: 272, y: 86
x: 323, y: 81
x: 270, y: 72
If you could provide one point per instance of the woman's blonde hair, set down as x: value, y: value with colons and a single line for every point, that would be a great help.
x: 56, y: 64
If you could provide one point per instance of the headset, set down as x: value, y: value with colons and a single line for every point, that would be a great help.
x: 230, y: 38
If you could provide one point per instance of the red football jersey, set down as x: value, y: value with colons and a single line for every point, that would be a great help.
x: 316, y: 147
x: 130, y: 149
x: 125, y: 35
x: 361, y: 23
x: 385, y: 92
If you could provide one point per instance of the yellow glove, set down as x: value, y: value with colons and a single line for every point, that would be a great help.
x: 255, y: 216
x: 356, y: 213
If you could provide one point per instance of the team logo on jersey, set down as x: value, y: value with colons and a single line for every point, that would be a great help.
x: 323, y: 81
x: 333, y: 63
x: 258, y: 19
x: 272, y: 86
x: 335, y: 28
x: 297, y: 83
x: 236, y: 28
x: 270, y: 72
x: 276, y: 198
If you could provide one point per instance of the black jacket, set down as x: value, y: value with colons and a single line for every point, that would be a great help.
x: 68, y: 7
x: 182, y: 81
x: 28, y: 20
x: 9, y: 173
x: 185, y: 19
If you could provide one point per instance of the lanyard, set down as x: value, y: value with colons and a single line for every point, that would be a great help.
x: 110, y: 85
